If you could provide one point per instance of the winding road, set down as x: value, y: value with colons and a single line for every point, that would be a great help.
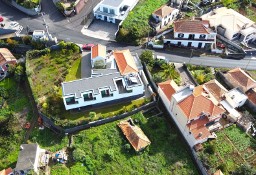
x: 69, y: 28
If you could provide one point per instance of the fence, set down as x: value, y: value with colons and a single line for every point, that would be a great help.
x: 50, y: 124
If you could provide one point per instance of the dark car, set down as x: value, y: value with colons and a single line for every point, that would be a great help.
x: 87, y: 46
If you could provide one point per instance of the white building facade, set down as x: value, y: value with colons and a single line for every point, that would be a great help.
x: 100, y: 89
x: 164, y: 16
x: 195, y: 34
x: 113, y: 11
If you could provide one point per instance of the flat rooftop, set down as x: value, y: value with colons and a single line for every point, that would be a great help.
x: 77, y: 87
x: 113, y: 3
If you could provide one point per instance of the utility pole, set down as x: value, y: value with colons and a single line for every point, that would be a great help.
x: 46, y: 26
x: 191, y: 54
x: 248, y: 62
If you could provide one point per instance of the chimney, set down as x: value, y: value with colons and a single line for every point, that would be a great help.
x: 200, y: 134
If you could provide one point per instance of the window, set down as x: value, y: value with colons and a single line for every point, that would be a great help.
x: 180, y: 35
x: 99, y: 16
x: 111, y: 11
x: 110, y: 19
x: 202, y: 36
x: 105, y: 9
x: 71, y: 100
x: 88, y: 97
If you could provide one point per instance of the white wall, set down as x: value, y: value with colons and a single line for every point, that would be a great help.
x: 137, y: 90
x: 179, y: 118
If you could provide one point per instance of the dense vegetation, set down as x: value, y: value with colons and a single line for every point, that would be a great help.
x: 104, y: 149
x: 159, y: 69
x: 14, y: 111
x: 201, y: 74
x: 46, y: 70
x: 232, y: 148
x: 28, y: 3
x: 136, y: 26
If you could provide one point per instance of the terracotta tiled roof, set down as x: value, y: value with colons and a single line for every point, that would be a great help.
x: 98, y: 50
x: 6, y: 171
x: 193, y: 26
x: 125, y: 62
x: 6, y: 56
x: 216, y: 89
x: 238, y: 77
x: 252, y: 95
x: 218, y: 172
x: 193, y: 106
x: 198, y: 90
x: 134, y: 135
x: 198, y: 129
x: 167, y: 89
x: 163, y: 11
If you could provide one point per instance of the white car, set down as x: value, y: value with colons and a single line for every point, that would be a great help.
x: 14, y: 24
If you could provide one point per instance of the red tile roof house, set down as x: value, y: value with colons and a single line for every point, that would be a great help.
x: 239, y: 78
x: 6, y: 58
x: 191, y: 33
x: 163, y: 16
x: 7, y: 171
x: 192, y: 109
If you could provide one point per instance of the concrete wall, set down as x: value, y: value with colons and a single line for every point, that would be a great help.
x: 30, y: 12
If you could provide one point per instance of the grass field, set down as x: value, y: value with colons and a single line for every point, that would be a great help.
x: 104, y: 151
x: 233, y: 147
x: 15, y: 112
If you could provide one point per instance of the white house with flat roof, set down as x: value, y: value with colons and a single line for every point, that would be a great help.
x: 113, y: 11
x: 105, y: 85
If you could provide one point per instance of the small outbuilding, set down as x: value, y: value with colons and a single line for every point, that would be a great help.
x: 134, y: 135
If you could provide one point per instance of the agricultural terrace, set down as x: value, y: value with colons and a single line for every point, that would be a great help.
x: 105, y: 150
x: 136, y: 26
x: 15, y: 110
x: 232, y: 148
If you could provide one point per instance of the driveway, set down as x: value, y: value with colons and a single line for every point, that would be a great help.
x: 184, y: 75
x: 101, y: 29
x: 86, y: 65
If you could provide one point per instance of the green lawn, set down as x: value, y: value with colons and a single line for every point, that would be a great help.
x: 104, y: 151
x: 16, y: 110
x: 136, y: 26
x: 74, y: 72
x: 232, y: 148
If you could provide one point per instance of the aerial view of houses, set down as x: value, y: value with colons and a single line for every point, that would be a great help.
x: 127, y: 87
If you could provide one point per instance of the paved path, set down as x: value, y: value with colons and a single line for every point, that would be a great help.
x: 184, y: 76
x: 86, y: 65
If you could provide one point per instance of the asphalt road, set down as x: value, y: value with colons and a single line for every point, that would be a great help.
x: 69, y: 29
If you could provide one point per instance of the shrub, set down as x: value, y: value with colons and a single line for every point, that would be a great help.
x: 78, y: 155
x: 60, y: 6
x: 92, y: 115
x: 127, y: 146
x: 99, y: 64
x: 27, y: 40
x: 147, y: 57
x: 210, y: 149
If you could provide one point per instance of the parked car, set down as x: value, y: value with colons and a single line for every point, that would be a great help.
x: 221, y: 45
x: 1, y: 19
x: 87, y: 46
x: 14, y: 24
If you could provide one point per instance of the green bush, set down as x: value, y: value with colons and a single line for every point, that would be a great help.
x: 60, y: 6
x: 78, y: 155
x: 210, y: 149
